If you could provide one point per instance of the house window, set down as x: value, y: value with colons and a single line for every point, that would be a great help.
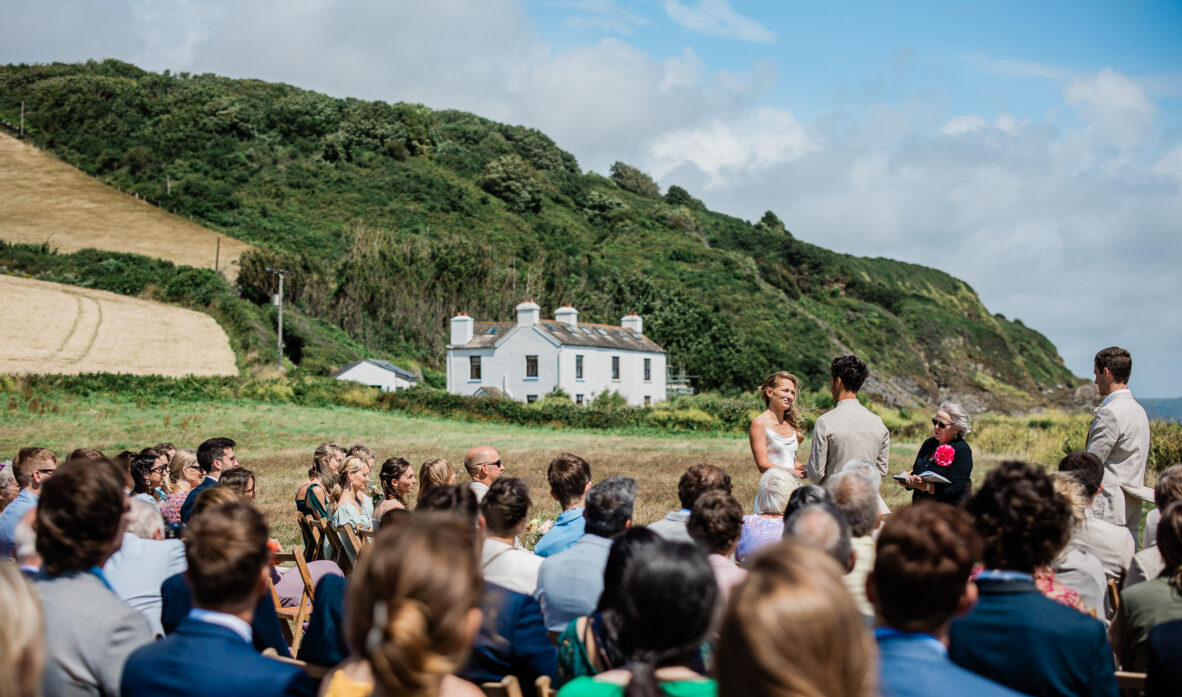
x: 531, y: 366
x: 531, y: 398
x: 648, y: 400
x: 474, y: 368
x: 615, y: 367
x: 578, y: 399
x: 579, y: 367
x: 648, y: 371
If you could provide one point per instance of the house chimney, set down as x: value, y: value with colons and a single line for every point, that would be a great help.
x: 567, y: 315
x: 461, y: 329
x: 528, y: 313
x: 633, y: 322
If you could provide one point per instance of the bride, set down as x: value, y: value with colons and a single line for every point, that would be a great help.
x: 775, y: 434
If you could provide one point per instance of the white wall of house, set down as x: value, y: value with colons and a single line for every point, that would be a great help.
x: 597, y: 374
x: 376, y: 376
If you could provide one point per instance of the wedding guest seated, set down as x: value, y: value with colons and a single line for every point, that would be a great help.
x: 183, y: 476
x: 9, y: 489
x: 456, y: 499
x: 570, y: 583
x: 22, y: 635
x: 1148, y: 562
x: 324, y: 639
x: 85, y: 454
x: 1015, y: 635
x: 434, y: 472
x: 89, y: 631
x: 144, y: 561
x: 177, y: 600
x: 32, y: 468
x: 570, y: 480
x: 504, y: 511
x: 715, y: 524
x: 24, y: 548
x: 1112, y: 544
x: 1152, y: 602
x: 210, y: 653
x: 315, y: 495
x: 397, y: 479
x: 854, y: 493
x: 823, y: 527
x: 512, y: 641
x: 766, y: 525
x: 805, y: 495
x: 214, y: 456
x: 363, y: 453
x: 659, y: 633
x: 696, y: 481
x: 242, y: 482
x: 146, y: 478
x: 353, y: 483
x: 1077, y: 570
x: 412, y: 611
x: 921, y: 580
x: 1165, y: 670
x: 585, y: 646
x: 484, y: 466
x: 791, y: 629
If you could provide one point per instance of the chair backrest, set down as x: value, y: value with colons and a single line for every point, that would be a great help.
x: 1113, y: 596
x: 314, y: 671
x: 1131, y: 681
x: 313, y: 538
x: 507, y: 687
x: 366, y: 537
x: 542, y: 687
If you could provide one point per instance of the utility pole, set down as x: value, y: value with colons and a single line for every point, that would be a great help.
x: 279, y: 301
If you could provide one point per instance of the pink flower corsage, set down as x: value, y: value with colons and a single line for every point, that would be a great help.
x: 944, y: 455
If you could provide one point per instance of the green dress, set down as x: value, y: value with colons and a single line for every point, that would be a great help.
x: 590, y: 687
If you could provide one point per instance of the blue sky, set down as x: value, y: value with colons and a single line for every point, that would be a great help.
x: 1033, y: 149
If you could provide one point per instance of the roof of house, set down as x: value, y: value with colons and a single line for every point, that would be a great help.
x: 487, y: 334
x: 385, y: 365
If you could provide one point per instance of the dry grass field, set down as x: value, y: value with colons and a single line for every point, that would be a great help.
x: 53, y: 328
x: 47, y: 200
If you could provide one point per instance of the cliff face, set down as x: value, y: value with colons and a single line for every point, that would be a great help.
x: 393, y: 217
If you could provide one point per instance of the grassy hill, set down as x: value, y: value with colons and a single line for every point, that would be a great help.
x: 393, y: 216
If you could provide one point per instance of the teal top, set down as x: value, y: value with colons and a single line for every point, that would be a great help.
x: 349, y: 514
x: 590, y: 687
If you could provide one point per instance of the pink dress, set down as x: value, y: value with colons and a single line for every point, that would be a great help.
x: 758, y: 532
x: 170, y: 507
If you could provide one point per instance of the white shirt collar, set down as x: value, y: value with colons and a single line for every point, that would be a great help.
x: 1113, y: 394
x: 234, y: 624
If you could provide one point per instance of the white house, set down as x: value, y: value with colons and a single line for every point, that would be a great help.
x: 528, y: 358
x: 383, y: 374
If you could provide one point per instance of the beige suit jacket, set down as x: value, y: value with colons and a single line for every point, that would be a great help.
x: 1119, y: 436
x: 848, y: 431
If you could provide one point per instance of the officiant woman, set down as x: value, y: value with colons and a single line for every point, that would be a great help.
x: 946, y: 453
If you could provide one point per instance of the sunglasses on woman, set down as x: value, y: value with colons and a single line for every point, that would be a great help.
x: 940, y: 424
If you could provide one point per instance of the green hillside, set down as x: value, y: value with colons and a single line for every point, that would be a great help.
x: 392, y: 217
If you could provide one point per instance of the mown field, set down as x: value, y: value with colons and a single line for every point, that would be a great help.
x: 276, y: 440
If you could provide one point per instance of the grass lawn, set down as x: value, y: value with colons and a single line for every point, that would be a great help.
x: 276, y: 441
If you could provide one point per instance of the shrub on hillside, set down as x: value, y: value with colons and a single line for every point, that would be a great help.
x: 512, y: 180
x: 631, y: 179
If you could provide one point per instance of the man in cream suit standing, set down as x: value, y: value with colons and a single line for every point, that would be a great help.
x: 1119, y: 436
x: 848, y: 431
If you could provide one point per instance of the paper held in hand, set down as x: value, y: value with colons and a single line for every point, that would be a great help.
x: 928, y: 476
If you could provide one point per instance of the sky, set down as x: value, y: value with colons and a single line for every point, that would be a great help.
x: 1033, y: 150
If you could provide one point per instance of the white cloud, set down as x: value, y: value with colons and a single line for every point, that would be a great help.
x: 606, y: 15
x: 1010, y: 67
x: 718, y: 18
x: 755, y: 142
x: 1118, y: 109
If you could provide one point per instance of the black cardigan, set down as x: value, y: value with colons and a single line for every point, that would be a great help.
x: 959, y: 472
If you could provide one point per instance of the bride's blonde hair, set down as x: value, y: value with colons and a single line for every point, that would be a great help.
x: 792, y: 414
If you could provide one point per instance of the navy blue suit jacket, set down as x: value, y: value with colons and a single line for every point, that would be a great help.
x: 202, y: 660
x: 1018, y: 637
x: 912, y: 666
x: 187, y: 506
x: 176, y: 601
x: 512, y: 641
x: 1165, y: 670
x: 324, y: 640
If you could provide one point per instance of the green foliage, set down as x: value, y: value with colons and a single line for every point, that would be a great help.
x: 677, y: 196
x: 512, y: 180
x: 631, y: 179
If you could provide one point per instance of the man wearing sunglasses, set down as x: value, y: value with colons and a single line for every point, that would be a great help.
x: 485, y: 467
x: 32, y: 467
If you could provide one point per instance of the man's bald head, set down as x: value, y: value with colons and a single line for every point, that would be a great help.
x: 822, y: 526
x: 483, y: 464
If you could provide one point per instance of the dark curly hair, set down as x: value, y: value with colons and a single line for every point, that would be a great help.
x: 1023, y: 523
x: 699, y: 479
x: 716, y: 521
x: 852, y: 371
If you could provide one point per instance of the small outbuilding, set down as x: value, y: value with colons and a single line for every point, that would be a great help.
x: 377, y: 373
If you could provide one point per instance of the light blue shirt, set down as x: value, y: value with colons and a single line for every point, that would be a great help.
x: 567, y: 530
x: 234, y: 624
x: 24, y: 502
x: 913, y: 664
x: 571, y: 581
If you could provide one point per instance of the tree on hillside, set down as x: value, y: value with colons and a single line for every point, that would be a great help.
x: 512, y: 180
x: 677, y: 196
x: 631, y: 179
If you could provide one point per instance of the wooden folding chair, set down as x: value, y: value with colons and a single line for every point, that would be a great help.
x: 314, y: 671
x: 303, y: 611
x: 344, y: 552
x: 1133, y: 682
x: 507, y: 687
x: 335, y: 552
x: 366, y: 537
x: 542, y: 686
x: 313, y: 538
x: 350, y: 536
x: 285, y: 613
x: 1113, y: 596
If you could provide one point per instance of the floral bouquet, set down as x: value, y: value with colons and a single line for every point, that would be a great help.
x: 375, y: 492
x: 534, y: 529
x: 944, y: 455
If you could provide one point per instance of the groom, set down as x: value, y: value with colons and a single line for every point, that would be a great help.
x: 848, y: 431
x: 1119, y: 436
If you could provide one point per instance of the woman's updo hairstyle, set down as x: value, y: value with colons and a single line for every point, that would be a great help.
x: 1021, y: 519
x: 322, y: 472
x: 408, y: 603
x: 792, y: 415
x: 435, y: 472
x: 349, y: 466
x: 176, y: 466
x: 392, y: 469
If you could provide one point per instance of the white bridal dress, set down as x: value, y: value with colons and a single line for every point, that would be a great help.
x: 781, y: 453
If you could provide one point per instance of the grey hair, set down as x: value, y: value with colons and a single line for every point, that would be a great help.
x: 145, y: 520
x: 609, y: 506
x: 823, y: 527
x: 960, y: 417
x: 24, y: 541
x: 866, y: 469
x: 775, y: 486
x: 6, y: 475
x: 856, y: 496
